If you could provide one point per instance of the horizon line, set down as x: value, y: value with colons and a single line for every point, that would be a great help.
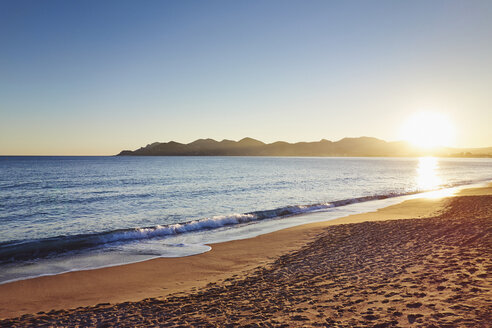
x: 266, y: 143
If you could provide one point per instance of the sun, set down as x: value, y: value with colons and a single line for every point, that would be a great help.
x: 428, y: 130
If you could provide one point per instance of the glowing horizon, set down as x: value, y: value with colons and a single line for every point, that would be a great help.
x: 428, y: 130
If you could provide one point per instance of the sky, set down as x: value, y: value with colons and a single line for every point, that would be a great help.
x: 94, y: 77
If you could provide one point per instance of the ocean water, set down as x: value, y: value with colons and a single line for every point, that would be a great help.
x: 60, y: 214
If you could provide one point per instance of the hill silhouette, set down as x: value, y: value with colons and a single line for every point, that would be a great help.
x: 356, y: 147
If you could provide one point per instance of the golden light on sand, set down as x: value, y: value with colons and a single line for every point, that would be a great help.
x: 427, y: 177
x: 436, y: 194
x: 428, y: 130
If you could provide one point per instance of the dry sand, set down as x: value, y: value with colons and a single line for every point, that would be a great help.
x: 413, y: 272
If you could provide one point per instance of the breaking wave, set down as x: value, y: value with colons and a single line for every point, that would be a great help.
x: 40, y: 248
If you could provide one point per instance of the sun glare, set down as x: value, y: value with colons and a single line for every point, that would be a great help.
x: 427, y: 177
x: 428, y: 130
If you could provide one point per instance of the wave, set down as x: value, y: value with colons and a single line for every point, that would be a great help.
x: 13, y: 251
x: 40, y: 248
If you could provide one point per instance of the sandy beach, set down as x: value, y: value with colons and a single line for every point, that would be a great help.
x: 424, y: 262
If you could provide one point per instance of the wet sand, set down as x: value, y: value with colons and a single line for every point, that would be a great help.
x: 380, y: 269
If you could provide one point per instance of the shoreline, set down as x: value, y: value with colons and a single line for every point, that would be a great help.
x: 163, y: 277
x: 313, y: 216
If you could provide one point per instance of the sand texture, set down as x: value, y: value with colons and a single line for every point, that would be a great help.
x: 431, y: 272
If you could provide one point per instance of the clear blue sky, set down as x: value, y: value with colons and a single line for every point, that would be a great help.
x: 95, y: 77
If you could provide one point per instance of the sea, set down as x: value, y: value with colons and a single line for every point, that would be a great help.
x: 61, y: 214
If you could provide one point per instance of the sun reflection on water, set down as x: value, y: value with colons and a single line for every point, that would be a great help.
x: 427, y: 177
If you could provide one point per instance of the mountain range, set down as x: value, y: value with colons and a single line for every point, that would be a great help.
x: 346, y: 147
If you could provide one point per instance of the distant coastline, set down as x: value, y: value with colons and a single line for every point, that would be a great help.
x: 346, y: 147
